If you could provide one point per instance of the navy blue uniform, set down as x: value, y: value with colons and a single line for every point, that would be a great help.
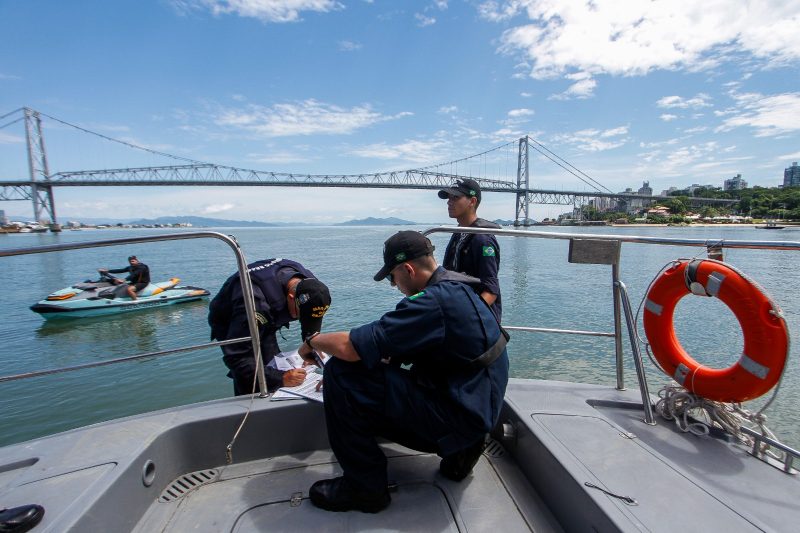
x: 477, y: 256
x: 228, y: 320
x: 138, y: 275
x: 442, y: 404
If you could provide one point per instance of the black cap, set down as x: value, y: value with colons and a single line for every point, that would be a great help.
x: 132, y: 257
x: 401, y: 247
x: 313, y: 300
x: 464, y: 187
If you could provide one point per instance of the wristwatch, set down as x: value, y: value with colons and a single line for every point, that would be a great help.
x: 308, y: 340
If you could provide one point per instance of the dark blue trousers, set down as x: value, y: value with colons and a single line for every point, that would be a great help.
x: 363, y: 404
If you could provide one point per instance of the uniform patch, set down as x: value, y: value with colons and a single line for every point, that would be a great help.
x: 488, y: 251
x: 415, y: 296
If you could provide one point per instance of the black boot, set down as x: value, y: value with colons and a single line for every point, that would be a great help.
x: 338, y: 494
x: 459, y: 465
x: 20, y: 519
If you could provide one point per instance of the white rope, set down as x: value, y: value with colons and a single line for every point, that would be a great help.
x: 697, y: 415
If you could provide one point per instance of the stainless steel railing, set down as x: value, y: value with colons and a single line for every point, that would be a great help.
x: 621, y: 302
x: 247, y: 289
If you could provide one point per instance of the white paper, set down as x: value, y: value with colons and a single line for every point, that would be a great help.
x: 307, y: 389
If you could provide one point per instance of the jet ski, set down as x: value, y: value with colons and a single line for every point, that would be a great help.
x: 103, y: 297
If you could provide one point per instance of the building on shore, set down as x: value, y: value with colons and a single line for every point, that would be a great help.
x: 736, y: 183
x: 791, y: 176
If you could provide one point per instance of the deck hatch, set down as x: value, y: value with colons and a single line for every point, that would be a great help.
x: 187, y: 483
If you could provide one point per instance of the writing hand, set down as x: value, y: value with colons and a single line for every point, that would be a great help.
x: 294, y: 377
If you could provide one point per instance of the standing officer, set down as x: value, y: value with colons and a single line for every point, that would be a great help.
x: 284, y: 290
x: 447, y: 401
x: 472, y: 254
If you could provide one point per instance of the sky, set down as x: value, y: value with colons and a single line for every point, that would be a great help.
x: 675, y: 93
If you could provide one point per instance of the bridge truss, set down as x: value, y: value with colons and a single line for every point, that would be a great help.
x: 39, y: 188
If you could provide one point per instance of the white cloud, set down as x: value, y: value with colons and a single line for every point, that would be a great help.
x: 448, y: 110
x: 634, y: 37
x: 794, y: 157
x: 349, y: 46
x: 669, y: 102
x: 519, y: 113
x: 682, y: 160
x: 525, y: 94
x: 769, y: 115
x: 497, y: 11
x: 423, y: 20
x: 216, y: 208
x: 441, y: 4
x: 9, y: 138
x: 666, y: 117
x: 264, y: 10
x: 593, y: 140
x: 698, y: 129
x: 308, y: 117
x: 413, y: 151
x: 9, y: 77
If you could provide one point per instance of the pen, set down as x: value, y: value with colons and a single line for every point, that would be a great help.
x: 318, y: 359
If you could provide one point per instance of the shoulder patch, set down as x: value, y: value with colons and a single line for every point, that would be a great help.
x: 415, y: 296
x: 488, y: 251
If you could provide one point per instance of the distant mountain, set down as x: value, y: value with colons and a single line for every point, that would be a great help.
x: 208, y: 222
x: 370, y: 221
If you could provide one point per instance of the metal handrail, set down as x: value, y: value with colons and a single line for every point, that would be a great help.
x: 247, y: 290
x: 620, y: 293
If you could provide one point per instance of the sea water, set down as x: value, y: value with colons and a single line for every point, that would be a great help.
x: 540, y: 288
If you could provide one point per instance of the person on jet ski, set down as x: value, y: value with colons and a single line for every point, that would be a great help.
x: 138, y: 277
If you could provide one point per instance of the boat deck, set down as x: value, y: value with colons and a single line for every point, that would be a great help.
x: 565, y: 457
x: 272, y: 495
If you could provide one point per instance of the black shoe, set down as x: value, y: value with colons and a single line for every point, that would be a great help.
x: 459, y: 465
x: 338, y: 495
x: 20, y: 519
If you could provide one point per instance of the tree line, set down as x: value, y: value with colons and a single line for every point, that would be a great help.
x: 756, y: 202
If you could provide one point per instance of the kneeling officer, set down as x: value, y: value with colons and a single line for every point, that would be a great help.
x: 447, y: 401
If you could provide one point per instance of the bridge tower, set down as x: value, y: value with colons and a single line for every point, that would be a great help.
x: 523, y: 200
x: 41, y: 191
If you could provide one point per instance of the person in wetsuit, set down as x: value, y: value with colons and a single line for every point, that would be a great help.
x: 138, y: 276
x: 474, y: 255
x: 445, y: 397
x: 284, y: 291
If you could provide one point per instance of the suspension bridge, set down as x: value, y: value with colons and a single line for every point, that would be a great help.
x: 41, y: 183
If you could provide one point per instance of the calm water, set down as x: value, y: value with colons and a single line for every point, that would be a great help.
x: 539, y: 289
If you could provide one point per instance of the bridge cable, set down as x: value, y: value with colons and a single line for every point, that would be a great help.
x: 12, y: 122
x: 130, y: 145
x: 10, y: 113
x: 466, y: 158
x: 597, y: 183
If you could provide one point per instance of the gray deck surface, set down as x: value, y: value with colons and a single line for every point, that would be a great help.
x: 257, y: 496
x: 553, y: 438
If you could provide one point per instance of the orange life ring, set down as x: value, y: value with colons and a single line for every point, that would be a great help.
x: 766, y: 336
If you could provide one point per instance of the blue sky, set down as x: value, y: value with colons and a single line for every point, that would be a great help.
x: 671, y: 92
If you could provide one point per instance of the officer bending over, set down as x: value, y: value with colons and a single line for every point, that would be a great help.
x: 284, y: 290
x: 447, y: 401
